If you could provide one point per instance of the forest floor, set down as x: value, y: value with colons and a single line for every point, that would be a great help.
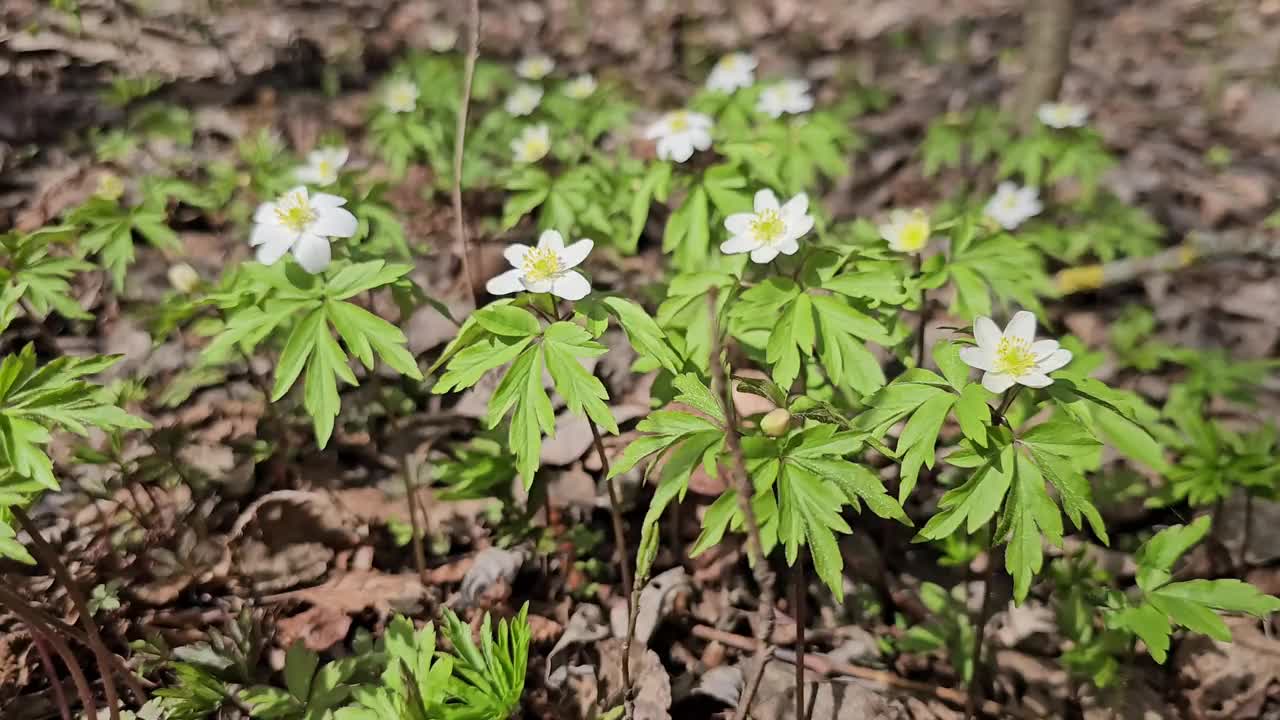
x: 1184, y: 92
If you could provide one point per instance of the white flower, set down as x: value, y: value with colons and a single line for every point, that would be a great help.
x: 906, y: 232
x: 788, y: 96
x: 549, y: 267
x: 679, y: 133
x: 535, y: 67
x: 731, y: 72
x: 769, y: 230
x: 1063, y: 115
x: 532, y: 145
x: 322, y: 166
x: 523, y: 100
x: 303, y: 224
x: 441, y: 38
x: 1012, y: 205
x: 1014, y: 356
x: 183, y: 277
x: 400, y: 96
x: 580, y: 87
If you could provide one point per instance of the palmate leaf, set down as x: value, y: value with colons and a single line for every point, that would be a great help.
x: 999, y: 265
x: 686, y: 440
x: 801, y: 484
x: 34, y: 401
x: 488, y: 678
x: 1193, y: 604
x: 501, y: 334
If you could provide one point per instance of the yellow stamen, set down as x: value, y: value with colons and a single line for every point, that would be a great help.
x: 679, y: 122
x: 915, y: 235
x: 541, y: 264
x: 767, y: 227
x: 294, y: 213
x: 1014, y: 357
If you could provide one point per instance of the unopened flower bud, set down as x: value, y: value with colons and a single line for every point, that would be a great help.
x: 776, y: 423
x: 183, y: 277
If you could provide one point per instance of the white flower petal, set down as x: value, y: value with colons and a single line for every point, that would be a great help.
x: 312, y: 253
x: 266, y: 234
x: 678, y: 148
x: 799, y: 227
x: 334, y: 222
x: 987, y: 333
x: 515, y: 255
x: 765, y: 200
x: 266, y: 213
x: 764, y: 254
x: 699, y: 138
x: 551, y: 240
x: 311, y: 175
x: 1022, y: 327
x: 537, y: 286
x: 573, y: 255
x: 271, y: 251
x: 790, y: 247
x: 997, y: 382
x: 974, y: 357
x: 571, y: 286
x: 506, y: 283
x: 738, y: 223
x: 1058, y: 359
x: 1035, y: 380
x: 325, y: 200
x: 738, y: 244
x: 797, y: 206
x: 1041, y: 349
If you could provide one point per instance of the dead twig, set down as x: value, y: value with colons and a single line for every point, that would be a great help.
x: 1197, y: 246
x: 826, y: 667
x: 28, y: 614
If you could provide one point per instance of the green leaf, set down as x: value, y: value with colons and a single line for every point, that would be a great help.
x: 644, y: 334
x: 467, y: 367
x: 299, y: 668
x: 1157, y: 555
x: 297, y: 350
x: 795, y: 333
x: 809, y: 513
x: 977, y: 500
x: 973, y: 413
x: 508, y: 321
x: 947, y: 356
x: 918, y: 443
x: 563, y: 344
x: 1030, y: 516
x: 1148, y: 623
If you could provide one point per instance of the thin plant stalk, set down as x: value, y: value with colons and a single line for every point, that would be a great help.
x: 924, y: 312
x: 980, y: 629
x: 797, y: 601
x: 624, y: 562
x: 59, y: 697
x: 741, y: 484
x: 410, y: 475
x: 459, y: 141
x: 47, y: 555
x: 28, y: 614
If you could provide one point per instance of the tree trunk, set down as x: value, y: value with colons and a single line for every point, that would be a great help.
x: 1047, y: 49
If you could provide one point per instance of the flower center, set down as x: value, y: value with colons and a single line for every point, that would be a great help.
x: 914, y: 235
x: 535, y: 147
x: 294, y: 213
x: 679, y: 122
x: 1010, y: 202
x: 541, y: 264
x: 1014, y: 357
x: 767, y: 227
